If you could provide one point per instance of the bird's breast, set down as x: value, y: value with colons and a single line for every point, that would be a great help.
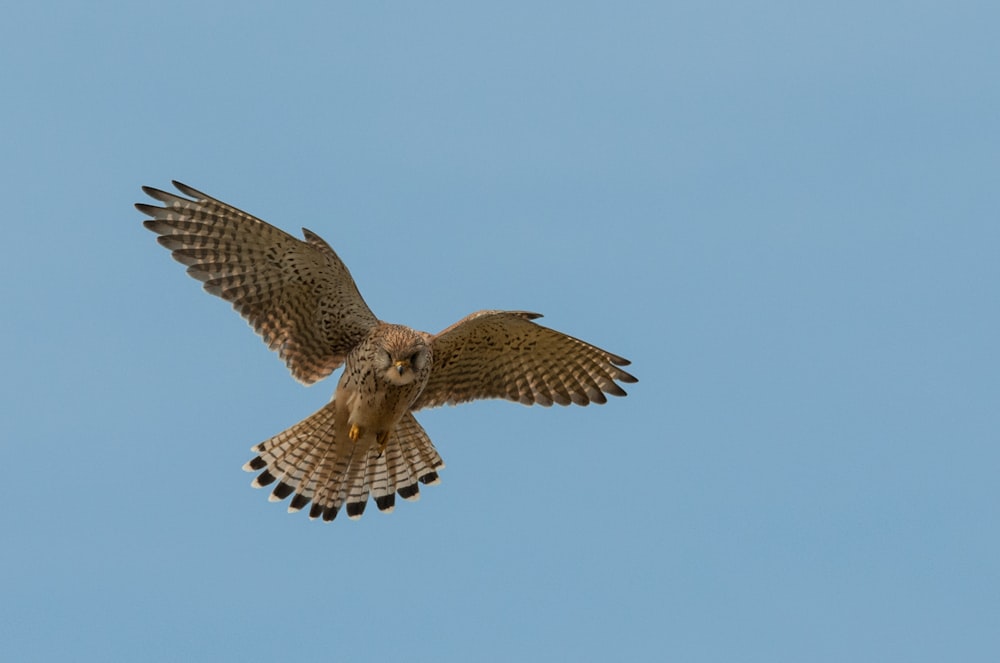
x: 373, y: 404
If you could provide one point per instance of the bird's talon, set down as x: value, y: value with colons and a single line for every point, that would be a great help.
x: 354, y: 433
x: 382, y: 441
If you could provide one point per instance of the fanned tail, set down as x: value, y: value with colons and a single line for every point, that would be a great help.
x: 309, y: 462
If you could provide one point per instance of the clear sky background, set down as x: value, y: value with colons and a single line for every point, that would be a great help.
x: 786, y: 214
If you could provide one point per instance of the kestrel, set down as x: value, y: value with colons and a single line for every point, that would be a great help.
x: 301, y: 299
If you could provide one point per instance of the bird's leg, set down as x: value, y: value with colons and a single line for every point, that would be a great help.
x: 355, y: 433
x: 382, y: 439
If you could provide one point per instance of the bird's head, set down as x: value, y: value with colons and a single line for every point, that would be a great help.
x: 403, y: 356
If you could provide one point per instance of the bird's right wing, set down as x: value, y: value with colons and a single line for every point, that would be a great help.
x: 297, y: 295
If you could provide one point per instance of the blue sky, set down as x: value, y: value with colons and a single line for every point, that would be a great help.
x: 785, y: 214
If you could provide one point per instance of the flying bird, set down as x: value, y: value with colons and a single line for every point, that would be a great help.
x: 300, y: 297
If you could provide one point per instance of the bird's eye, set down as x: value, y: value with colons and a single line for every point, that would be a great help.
x: 417, y: 359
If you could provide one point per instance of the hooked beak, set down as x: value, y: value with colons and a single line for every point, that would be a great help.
x: 402, y: 365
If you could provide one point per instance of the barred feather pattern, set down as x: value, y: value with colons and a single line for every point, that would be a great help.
x: 504, y: 354
x: 298, y: 295
x: 310, y: 463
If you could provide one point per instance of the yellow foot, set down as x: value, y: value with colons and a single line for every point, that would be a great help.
x: 382, y: 440
x: 354, y: 433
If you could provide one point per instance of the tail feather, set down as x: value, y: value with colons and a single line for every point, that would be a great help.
x: 293, y: 464
x: 422, y: 457
x: 321, y: 474
x: 332, y: 474
x: 354, y: 491
x: 309, y: 463
x: 419, y: 456
x: 410, y: 451
x: 400, y: 476
x: 377, y: 479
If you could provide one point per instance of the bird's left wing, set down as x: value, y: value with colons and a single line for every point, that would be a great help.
x: 503, y: 354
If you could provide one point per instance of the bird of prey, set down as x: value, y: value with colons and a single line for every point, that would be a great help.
x: 299, y: 296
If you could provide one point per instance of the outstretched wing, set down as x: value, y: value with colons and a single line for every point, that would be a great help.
x: 297, y: 295
x: 502, y: 354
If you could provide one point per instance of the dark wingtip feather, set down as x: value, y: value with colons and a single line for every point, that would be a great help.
x: 612, y: 389
x: 188, y: 190
x: 330, y: 512
x: 355, y: 509
x: 429, y: 479
x: 160, y: 195
x: 156, y: 226
x: 618, y: 361
x: 624, y: 376
x: 315, y: 511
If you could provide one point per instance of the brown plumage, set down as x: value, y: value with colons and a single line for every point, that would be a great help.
x: 300, y: 297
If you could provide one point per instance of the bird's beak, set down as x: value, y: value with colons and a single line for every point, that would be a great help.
x: 402, y: 365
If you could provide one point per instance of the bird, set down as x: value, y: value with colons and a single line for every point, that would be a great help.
x: 299, y: 296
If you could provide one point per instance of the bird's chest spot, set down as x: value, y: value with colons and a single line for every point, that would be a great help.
x: 374, y: 403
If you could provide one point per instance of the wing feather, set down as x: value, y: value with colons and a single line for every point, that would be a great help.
x: 503, y: 354
x: 298, y: 295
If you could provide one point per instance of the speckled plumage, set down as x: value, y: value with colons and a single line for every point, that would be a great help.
x: 300, y: 297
